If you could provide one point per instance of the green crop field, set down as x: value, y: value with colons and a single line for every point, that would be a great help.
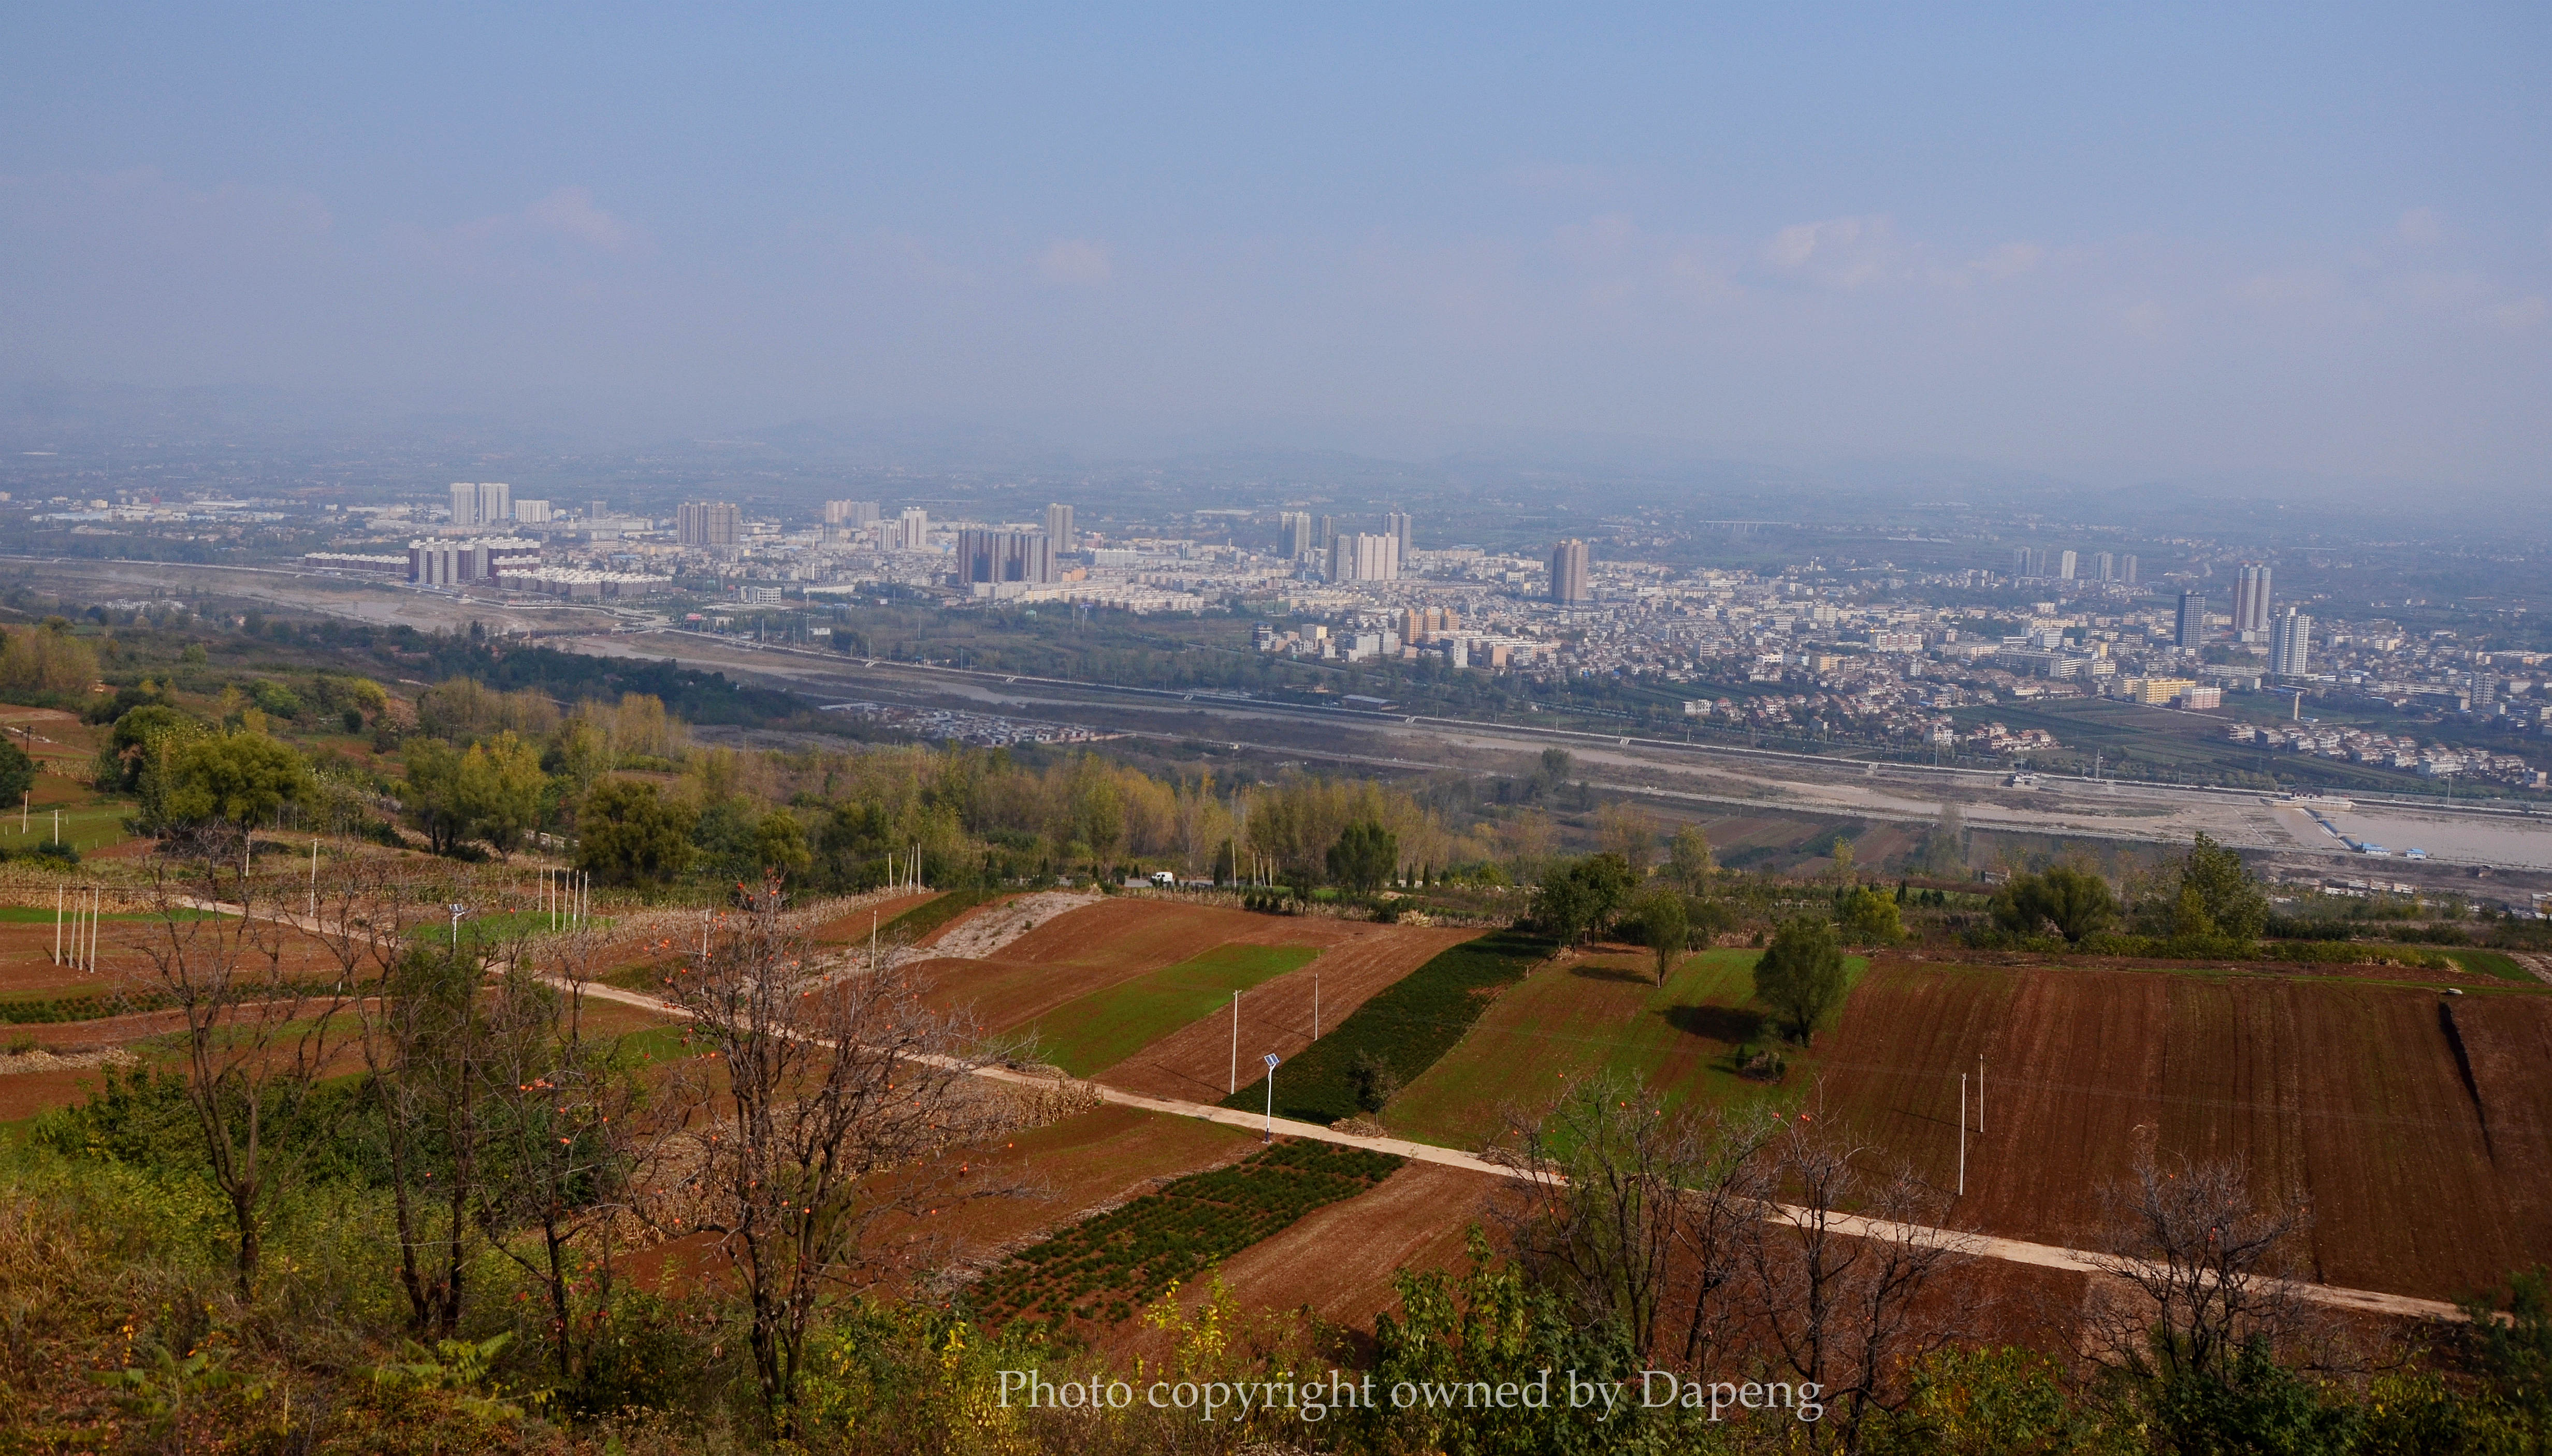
x: 929, y: 915
x: 90, y: 825
x: 1601, y: 1015
x: 1105, y: 1027
x: 1107, y: 1268
x: 2484, y: 963
x: 1407, y: 1027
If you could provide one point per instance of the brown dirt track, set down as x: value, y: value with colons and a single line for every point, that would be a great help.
x: 1194, y: 1063
x: 1100, y: 945
x: 2344, y: 1093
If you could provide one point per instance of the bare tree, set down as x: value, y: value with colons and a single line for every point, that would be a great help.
x: 1616, y: 1186
x: 2209, y: 1268
x: 425, y: 1048
x: 1724, y: 1192
x: 563, y: 1149
x: 259, y: 1032
x: 1838, y: 1268
x: 823, y: 1086
x: 1604, y: 1170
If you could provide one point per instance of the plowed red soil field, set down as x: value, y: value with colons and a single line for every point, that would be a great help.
x: 1339, y: 1259
x: 1097, y: 946
x: 27, y: 956
x: 852, y: 927
x: 1194, y: 1063
x: 1074, y: 1166
x: 2347, y: 1094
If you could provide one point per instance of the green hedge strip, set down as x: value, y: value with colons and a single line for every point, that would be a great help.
x: 1408, y: 1026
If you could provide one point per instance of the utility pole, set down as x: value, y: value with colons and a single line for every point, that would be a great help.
x: 1270, y: 1135
x: 1963, y: 1134
x: 1980, y: 1095
x: 1315, y: 1006
x: 1235, y: 1085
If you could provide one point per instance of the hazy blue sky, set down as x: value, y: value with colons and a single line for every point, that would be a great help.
x: 2102, y: 239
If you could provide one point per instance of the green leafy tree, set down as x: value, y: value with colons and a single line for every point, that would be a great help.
x: 1578, y: 899
x: 238, y: 778
x: 780, y: 846
x: 628, y: 834
x: 2075, y: 902
x: 1689, y: 862
x: 501, y: 789
x: 432, y: 800
x: 2231, y: 899
x: 17, y: 771
x: 1665, y: 930
x: 584, y: 754
x: 1871, y: 918
x: 1800, y: 976
x: 1365, y: 856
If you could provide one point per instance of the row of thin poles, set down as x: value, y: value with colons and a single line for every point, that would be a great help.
x: 77, y: 912
x: 908, y: 878
x: 568, y: 896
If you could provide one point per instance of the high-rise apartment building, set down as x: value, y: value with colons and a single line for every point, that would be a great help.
x: 986, y: 555
x: 2189, y: 631
x: 850, y: 514
x: 1326, y: 535
x: 2251, y: 602
x: 532, y: 512
x: 482, y: 503
x: 708, y: 522
x: 1058, y: 527
x: 2127, y: 569
x: 2064, y: 564
x: 2290, y: 648
x: 912, y: 529
x: 1396, y: 526
x: 1569, y: 585
x: 2105, y: 567
x: 1357, y: 557
x: 1294, y: 534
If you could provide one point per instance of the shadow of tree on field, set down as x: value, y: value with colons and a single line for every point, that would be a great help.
x: 1731, y: 1024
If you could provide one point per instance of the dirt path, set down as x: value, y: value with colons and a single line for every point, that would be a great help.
x: 1195, y: 1062
x: 2014, y: 1251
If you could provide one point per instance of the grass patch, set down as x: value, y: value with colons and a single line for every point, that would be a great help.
x: 1605, y: 1016
x: 2487, y: 963
x: 1106, y: 1026
x: 44, y: 915
x: 1408, y: 1026
x: 1107, y: 1267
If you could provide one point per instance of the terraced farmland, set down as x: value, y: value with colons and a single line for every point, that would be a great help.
x: 1595, y: 1013
x: 1105, y: 1027
x: 1106, y: 1268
